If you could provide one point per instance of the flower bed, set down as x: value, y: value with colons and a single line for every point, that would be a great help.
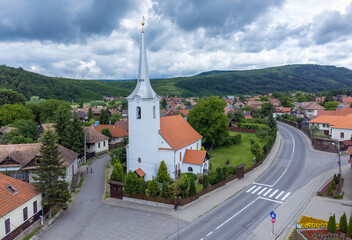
x: 310, y: 222
x: 323, y: 234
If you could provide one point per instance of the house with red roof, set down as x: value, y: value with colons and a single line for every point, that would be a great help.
x: 278, y: 111
x: 153, y: 139
x: 20, y: 206
x: 117, y: 132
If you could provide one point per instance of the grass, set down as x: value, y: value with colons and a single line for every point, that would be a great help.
x: 81, y: 181
x: 32, y: 233
x: 88, y: 162
x: 237, y: 154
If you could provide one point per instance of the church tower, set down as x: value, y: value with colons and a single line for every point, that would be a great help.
x: 143, y: 122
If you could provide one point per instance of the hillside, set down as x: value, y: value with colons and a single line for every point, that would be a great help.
x: 310, y: 78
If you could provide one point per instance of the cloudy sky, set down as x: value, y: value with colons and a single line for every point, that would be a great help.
x: 99, y: 39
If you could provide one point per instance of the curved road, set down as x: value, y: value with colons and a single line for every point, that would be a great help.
x: 237, y: 217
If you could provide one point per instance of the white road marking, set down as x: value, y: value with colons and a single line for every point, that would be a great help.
x: 273, y: 193
x: 262, y: 191
x: 222, y: 224
x: 267, y: 192
x: 250, y: 189
x: 287, y: 194
x: 277, y: 197
x: 256, y: 190
x: 209, y: 234
x: 261, y: 184
x: 268, y: 199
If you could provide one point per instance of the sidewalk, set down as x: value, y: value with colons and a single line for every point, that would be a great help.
x: 206, y: 202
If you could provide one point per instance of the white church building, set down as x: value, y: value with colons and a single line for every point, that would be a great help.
x: 153, y: 139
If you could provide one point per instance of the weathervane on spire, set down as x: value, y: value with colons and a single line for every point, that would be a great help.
x: 143, y: 19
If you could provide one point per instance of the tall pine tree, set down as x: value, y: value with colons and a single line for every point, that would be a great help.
x: 62, y: 121
x: 163, y: 175
x: 50, y: 174
x: 74, y: 137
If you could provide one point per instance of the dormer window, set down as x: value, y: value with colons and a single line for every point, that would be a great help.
x: 11, y: 188
x: 139, y: 112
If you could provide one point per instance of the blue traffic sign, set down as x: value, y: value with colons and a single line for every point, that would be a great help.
x: 272, y: 214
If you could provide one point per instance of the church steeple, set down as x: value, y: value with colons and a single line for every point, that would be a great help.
x: 143, y: 88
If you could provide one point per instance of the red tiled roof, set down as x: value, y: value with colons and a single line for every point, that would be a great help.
x: 347, y: 99
x: 140, y: 172
x: 349, y: 151
x: 10, y: 201
x: 347, y: 143
x: 194, y: 157
x: 184, y: 112
x: 337, y: 112
x: 116, y: 130
x: 177, y: 132
x: 122, y: 124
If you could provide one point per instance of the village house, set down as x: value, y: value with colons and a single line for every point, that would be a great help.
x: 117, y: 133
x: 153, y: 139
x: 279, y: 111
x: 22, y: 206
x: 310, y: 108
x: 96, y: 143
x: 5, y: 130
x: 19, y: 160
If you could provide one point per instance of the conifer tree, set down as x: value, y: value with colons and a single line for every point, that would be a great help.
x: 50, y: 174
x: 142, y: 185
x: 90, y: 114
x: 343, y: 223
x: 62, y: 121
x: 192, y: 187
x: 349, y: 230
x: 120, y: 174
x: 131, y: 183
x: 74, y: 137
x: 332, y: 224
x: 153, y: 189
x: 182, y: 185
x: 163, y: 175
x: 165, y: 190
x: 205, y: 181
x: 114, y: 175
x: 104, y: 117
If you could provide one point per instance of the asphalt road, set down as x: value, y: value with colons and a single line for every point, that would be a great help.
x: 238, y: 216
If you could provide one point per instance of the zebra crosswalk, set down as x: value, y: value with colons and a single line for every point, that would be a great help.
x: 268, y: 192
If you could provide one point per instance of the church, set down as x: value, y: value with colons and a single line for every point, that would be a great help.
x: 153, y: 139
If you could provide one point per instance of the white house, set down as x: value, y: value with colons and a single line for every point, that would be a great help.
x: 20, y: 206
x: 19, y: 160
x: 95, y: 141
x: 153, y: 139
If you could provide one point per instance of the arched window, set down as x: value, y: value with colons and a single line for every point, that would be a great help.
x: 154, y: 113
x: 139, y: 112
x: 139, y: 160
x: 190, y: 169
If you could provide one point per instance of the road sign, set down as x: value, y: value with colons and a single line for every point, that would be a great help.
x: 273, y: 220
x: 272, y: 214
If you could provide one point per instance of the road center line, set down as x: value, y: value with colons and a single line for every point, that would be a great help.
x: 209, y: 233
x: 222, y: 224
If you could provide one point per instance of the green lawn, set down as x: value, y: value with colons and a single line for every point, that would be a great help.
x: 237, y: 154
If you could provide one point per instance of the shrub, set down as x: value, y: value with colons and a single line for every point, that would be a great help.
x: 237, y: 139
x: 329, y: 191
x: 263, y: 132
x: 131, y: 183
x: 349, y: 230
x: 205, y: 181
x: 165, y: 190
x: 255, y: 148
x: 119, y: 170
x: 336, y: 178
x: 153, y: 189
x: 219, y: 175
x: 142, y: 185
x: 182, y: 185
x: 213, y: 179
x: 163, y: 175
x: 172, y: 190
x: 343, y: 223
x: 228, y: 141
x: 225, y: 173
x: 192, y: 187
x: 266, y: 148
x: 259, y: 156
x: 336, y: 196
x: 190, y: 175
x: 231, y: 170
x: 332, y: 224
x: 114, y: 175
x: 333, y: 184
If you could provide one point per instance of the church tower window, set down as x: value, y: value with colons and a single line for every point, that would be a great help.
x: 154, y: 113
x: 139, y: 112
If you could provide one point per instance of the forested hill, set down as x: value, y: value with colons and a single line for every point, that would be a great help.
x: 308, y: 78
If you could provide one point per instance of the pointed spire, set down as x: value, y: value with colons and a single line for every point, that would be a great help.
x: 143, y: 88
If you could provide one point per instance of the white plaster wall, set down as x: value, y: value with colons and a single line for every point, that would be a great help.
x: 16, y: 216
x: 95, y: 147
x: 144, y: 136
x: 69, y: 175
x: 335, y: 134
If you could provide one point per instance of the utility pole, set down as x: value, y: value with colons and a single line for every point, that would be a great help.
x: 175, y: 202
x: 339, y: 162
x: 85, y: 147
